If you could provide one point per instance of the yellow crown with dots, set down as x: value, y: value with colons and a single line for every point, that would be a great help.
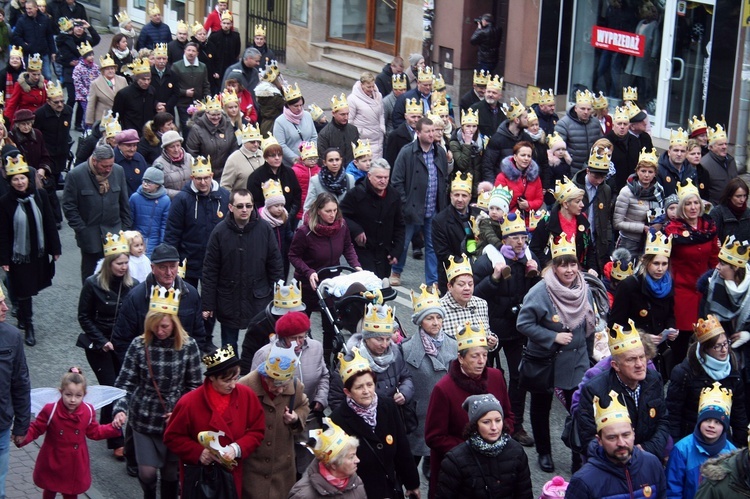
x: 197, y: 26
x: 260, y: 30
x: 678, y: 138
x: 620, y: 273
x: 584, y: 97
x: 514, y: 110
x: 565, y: 189
x: 612, y: 414
x: 112, y: 127
x: 562, y: 245
x: 600, y: 101
x: 716, y: 134
x: 716, y: 396
x: 54, y: 90
x: 621, y: 114
x: 268, y: 141
x: 697, y: 124
x: 600, y: 160
x: 16, y: 166
x: 554, y: 138
x: 315, y: 111
x: 439, y: 83
x: 546, y: 97
x: 632, y: 109
x: 706, y: 329
x: 330, y: 442
x: 461, y: 182
x: 182, y: 26
x: 228, y: 96
x: 455, y: 269
x: 138, y: 67
x: 248, y: 133
x: 513, y: 224
x: 64, y: 24
x: 348, y: 368
x: 116, y: 244
x: 16, y: 51
x: 428, y: 298
x: 160, y: 50
x: 273, y: 363
x: 535, y: 218
x: 734, y: 252
x: 483, y: 200
x: 272, y: 188
x: 658, y: 244
x: 292, y: 92
x: 271, y: 72
x: 106, y: 61
x: 338, y: 103
x: 361, y: 148
x: 440, y: 107
x: 212, y: 103
x: 413, y: 106
x: 495, y: 83
x: 630, y: 94
x: 398, y: 81
x: 648, y: 157
x: 468, y: 336
x: 154, y: 11
x: 163, y: 300
x: 227, y: 16
x: 378, y: 319
x: 122, y: 17
x: 201, y: 167
x: 219, y: 356
x: 621, y: 340
x: 480, y: 77
x: 309, y: 150
x: 182, y: 268
x: 469, y: 117
x: 687, y: 189
x: 531, y: 116
x: 425, y: 75
x: 35, y: 63
x: 287, y: 297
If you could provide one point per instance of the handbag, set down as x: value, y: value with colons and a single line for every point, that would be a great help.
x: 409, y: 416
x: 570, y: 436
x: 536, y: 374
x: 207, y: 482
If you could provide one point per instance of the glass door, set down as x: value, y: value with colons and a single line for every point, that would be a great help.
x: 385, y: 24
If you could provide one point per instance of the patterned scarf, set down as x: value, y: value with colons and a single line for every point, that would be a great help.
x: 369, y: 414
x: 21, y: 233
x: 571, y: 302
x: 101, y: 179
x: 482, y: 446
x: 684, y: 233
x: 335, y: 184
x: 338, y: 483
x: 431, y: 345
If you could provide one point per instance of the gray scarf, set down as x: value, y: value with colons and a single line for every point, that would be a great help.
x: 378, y: 363
x: 22, y: 237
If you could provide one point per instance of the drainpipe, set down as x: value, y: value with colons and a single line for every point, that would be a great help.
x: 743, y: 120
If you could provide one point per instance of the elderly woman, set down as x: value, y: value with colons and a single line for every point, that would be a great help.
x: 212, y: 136
x: 102, y: 91
x: 695, y: 248
x: 244, y: 161
x: 175, y: 162
x: 642, y: 194
x: 386, y: 460
x: 295, y: 126
x: 520, y: 174
x: 366, y: 112
x: 160, y: 366
x: 219, y: 404
x: 731, y: 215
x: 469, y: 375
x: 29, y: 242
x: 269, y: 93
x: 428, y: 355
x: 269, y: 473
x: 489, y: 463
x: 150, y: 145
x: 557, y: 317
x: 334, y: 472
x: 332, y: 178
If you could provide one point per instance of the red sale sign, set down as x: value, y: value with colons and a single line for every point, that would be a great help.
x: 618, y: 41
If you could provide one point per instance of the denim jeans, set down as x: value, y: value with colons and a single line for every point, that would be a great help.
x: 430, y: 259
x: 4, y: 458
x: 47, y: 71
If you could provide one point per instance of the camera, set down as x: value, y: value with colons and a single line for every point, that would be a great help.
x: 77, y: 23
x: 477, y: 19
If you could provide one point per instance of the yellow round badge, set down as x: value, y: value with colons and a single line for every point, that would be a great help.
x: 287, y: 189
x: 581, y: 228
x: 221, y: 135
x: 137, y: 171
x: 601, y: 206
x: 169, y: 85
x: 652, y: 413
x: 685, y: 233
x: 700, y: 186
x: 389, y: 439
x: 65, y: 123
x: 220, y: 214
x: 647, y: 491
x: 643, y: 313
x: 555, y: 318
x: 668, y: 179
x: 210, y: 56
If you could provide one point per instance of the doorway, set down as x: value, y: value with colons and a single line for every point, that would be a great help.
x: 372, y: 24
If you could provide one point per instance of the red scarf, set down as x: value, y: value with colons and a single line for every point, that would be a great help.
x: 339, y: 483
x: 265, y: 388
x: 217, y: 401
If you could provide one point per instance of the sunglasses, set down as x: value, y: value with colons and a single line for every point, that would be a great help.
x: 249, y: 206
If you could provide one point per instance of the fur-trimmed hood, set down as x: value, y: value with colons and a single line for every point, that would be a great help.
x: 25, y: 85
x: 265, y: 89
x: 150, y: 135
x: 717, y: 468
x: 513, y: 173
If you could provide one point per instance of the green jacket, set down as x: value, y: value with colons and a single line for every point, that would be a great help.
x: 195, y: 77
x: 725, y: 476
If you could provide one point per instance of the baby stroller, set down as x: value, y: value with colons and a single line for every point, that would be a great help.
x: 343, y: 294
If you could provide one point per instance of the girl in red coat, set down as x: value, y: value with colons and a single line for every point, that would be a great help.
x: 306, y: 167
x: 520, y: 174
x: 63, y: 463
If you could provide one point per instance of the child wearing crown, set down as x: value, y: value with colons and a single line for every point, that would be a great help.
x: 84, y: 73
x: 277, y: 217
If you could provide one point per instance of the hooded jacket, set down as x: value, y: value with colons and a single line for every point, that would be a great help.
x: 526, y: 184
x: 500, y: 147
x: 579, y: 137
x: 25, y: 96
x: 384, y: 80
x: 366, y: 113
x: 150, y: 217
x: 725, y: 476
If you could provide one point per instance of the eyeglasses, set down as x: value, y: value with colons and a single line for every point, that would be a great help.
x: 145, y: 181
x: 243, y: 206
x: 202, y: 179
x: 720, y: 347
x: 57, y: 101
x: 274, y: 154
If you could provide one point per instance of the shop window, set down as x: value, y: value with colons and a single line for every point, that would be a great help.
x: 298, y: 10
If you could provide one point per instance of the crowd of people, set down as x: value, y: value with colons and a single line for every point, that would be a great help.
x: 613, y: 278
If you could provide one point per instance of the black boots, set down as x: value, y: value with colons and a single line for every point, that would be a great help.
x: 25, y: 313
x: 169, y: 490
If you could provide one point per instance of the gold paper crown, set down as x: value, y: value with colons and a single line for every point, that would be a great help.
x: 315, y: 111
x: 292, y: 92
x: 16, y: 51
x: 565, y: 189
x: 514, y: 110
x: 287, y: 296
x: 348, y: 368
x: 201, y: 167
x: 138, y: 67
x: 715, y: 134
x: 483, y: 200
x: 166, y: 301
x: 361, y: 148
x: 260, y: 30
x: 228, y: 96
x: 630, y: 94
x: 455, y: 269
x: 268, y: 141
x: 271, y: 188
x: 248, y: 133
x: 154, y: 10
x: 425, y: 75
x: 328, y: 443
x: 600, y: 101
x: 706, y: 329
x: 212, y: 103
x: 116, y: 244
x: 428, y: 298
x: 378, y: 319
x: 219, y: 356
x: 600, y: 159
x: 687, y: 189
x: 678, y: 138
x: 546, y: 97
x: 414, y: 106
x: 513, y: 223
x: 614, y: 413
x: 620, y: 273
x: 469, y: 117
x: 632, y: 109
x: 658, y: 244
x: 440, y: 107
x: 112, y: 128
x: 16, y: 166
x: 122, y: 17
x: 480, y: 77
x: 535, y: 218
x: 621, y: 340
x: 398, y: 81
x: 160, y: 50
x: 697, y: 124
x: 273, y: 363
x: 649, y: 157
x: 467, y: 336
x: 182, y: 268
x: 716, y: 396
x: 182, y: 26
x: 227, y: 16
x: 338, y: 103
x: 621, y: 114
x: 439, y: 83
x: 54, y: 90
x: 197, y: 26
x: 531, y: 116
x: 734, y: 252
x: 199, y: 106
x: 562, y: 245
x: 108, y: 117
x: 309, y: 150
x: 64, y: 24
x: 554, y: 138
x: 35, y: 63
x: 106, y: 61
x: 495, y: 83
x: 271, y: 71
x: 584, y: 97
x: 461, y: 182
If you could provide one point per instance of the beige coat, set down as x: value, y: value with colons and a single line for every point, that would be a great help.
x: 270, y: 472
x: 101, y: 97
x: 240, y: 164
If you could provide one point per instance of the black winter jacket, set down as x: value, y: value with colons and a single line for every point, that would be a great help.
x: 449, y: 236
x: 35, y: 35
x: 488, y: 39
x: 341, y: 137
x: 384, y: 80
x: 67, y: 50
x: 166, y: 88
x: 550, y: 225
x: 15, y: 402
x: 289, y: 184
x: 397, y: 139
x: 633, y: 300
x: 499, y: 147
x: 669, y: 177
x: 135, y: 106
x: 256, y: 336
x: 602, y: 219
x: 727, y: 223
x: 489, y: 121
x: 97, y: 310
x: 625, y: 151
